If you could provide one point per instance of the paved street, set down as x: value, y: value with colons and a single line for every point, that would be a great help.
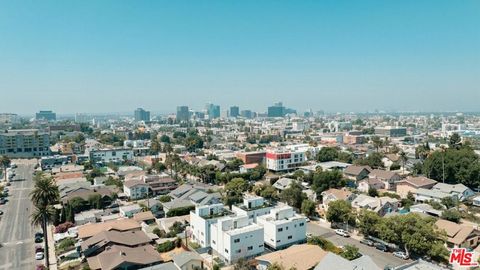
x: 382, y: 259
x: 16, y: 233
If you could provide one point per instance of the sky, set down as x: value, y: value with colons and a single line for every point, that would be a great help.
x: 114, y: 56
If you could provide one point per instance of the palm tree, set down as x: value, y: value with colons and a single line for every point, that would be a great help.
x: 5, y: 162
x: 45, y: 191
x: 404, y: 159
x: 42, y: 216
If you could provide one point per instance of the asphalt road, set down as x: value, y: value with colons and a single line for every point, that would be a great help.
x: 16, y: 231
x: 380, y: 258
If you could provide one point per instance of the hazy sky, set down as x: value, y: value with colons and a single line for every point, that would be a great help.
x: 114, y: 56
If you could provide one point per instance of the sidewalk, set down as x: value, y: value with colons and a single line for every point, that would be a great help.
x: 51, y: 249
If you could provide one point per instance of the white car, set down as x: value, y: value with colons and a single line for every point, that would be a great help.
x: 342, y: 232
x: 39, y: 256
x: 401, y: 254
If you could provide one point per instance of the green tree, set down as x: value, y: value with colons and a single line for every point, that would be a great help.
x: 452, y: 215
x: 42, y: 216
x: 403, y: 159
x: 327, y: 154
x: 45, y: 191
x: 350, y: 252
x: 234, y: 191
x: 368, y: 222
x: 339, y: 211
x: 454, y: 140
x: 5, y: 162
x: 308, y: 208
x: 293, y: 195
x: 373, y: 160
x: 95, y: 201
x: 373, y: 192
x: 449, y: 202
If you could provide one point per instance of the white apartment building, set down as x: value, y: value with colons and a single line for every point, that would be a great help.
x: 202, y: 218
x: 283, y: 159
x: 233, y: 238
x: 283, y: 227
x: 116, y: 155
x: 252, y: 207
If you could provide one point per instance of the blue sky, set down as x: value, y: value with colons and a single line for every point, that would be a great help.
x: 114, y: 56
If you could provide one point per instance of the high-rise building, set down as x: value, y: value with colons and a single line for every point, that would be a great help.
x: 247, y: 114
x: 277, y: 110
x: 9, y: 118
x: 234, y: 111
x: 46, y: 115
x: 213, y: 111
x: 183, y: 114
x: 24, y: 143
x: 142, y: 115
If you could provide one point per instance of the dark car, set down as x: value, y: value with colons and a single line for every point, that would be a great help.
x: 38, y: 249
x: 38, y: 234
x: 381, y: 247
x: 38, y: 239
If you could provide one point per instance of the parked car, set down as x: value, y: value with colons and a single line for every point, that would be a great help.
x: 342, y: 232
x: 39, y: 256
x: 401, y: 254
x: 8, y: 183
x: 1, y: 212
x: 39, y: 234
x: 381, y: 247
x: 309, y: 235
x: 2, y: 201
x: 367, y: 242
x: 38, y: 249
x: 38, y: 239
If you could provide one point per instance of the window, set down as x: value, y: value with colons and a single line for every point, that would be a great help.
x: 236, y: 240
x: 286, y: 228
x: 260, y: 246
x: 278, y: 241
x: 280, y: 229
x: 289, y: 237
x: 250, y: 248
x: 301, y: 224
x: 213, y: 241
x: 226, y: 250
x: 239, y: 251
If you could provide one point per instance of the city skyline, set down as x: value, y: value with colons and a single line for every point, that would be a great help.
x: 349, y: 56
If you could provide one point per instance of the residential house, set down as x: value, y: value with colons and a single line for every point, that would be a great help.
x: 130, y: 210
x: 357, y: 173
x: 106, y: 239
x: 300, y: 257
x: 135, y: 189
x: 388, y: 177
x: 334, y: 261
x: 459, y: 235
x: 121, y: 257
x: 283, y: 227
x: 379, y: 205
x: 459, y: 190
x: 370, y: 183
x: 411, y: 184
x: 283, y: 183
x: 188, y: 195
x: 88, y: 230
x: 425, y: 195
x: 188, y: 261
x: 334, y: 194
